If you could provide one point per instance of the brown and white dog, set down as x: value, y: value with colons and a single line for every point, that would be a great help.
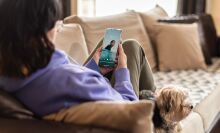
x: 172, y: 106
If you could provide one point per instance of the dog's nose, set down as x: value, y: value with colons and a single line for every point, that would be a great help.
x: 191, y: 107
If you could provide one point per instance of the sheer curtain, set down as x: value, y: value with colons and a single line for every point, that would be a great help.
x: 91, y: 8
x: 86, y: 8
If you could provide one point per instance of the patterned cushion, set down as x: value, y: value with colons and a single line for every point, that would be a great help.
x: 203, y: 87
x: 200, y: 83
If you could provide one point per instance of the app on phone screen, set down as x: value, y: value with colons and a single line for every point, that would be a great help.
x: 111, y: 42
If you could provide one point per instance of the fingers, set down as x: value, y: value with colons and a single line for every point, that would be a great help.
x: 110, y: 69
x: 97, y: 54
x: 120, y: 49
x: 99, y: 49
x: 122, y: 58
x: 106, y: 70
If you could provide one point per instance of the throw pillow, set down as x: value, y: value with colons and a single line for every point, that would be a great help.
x: 130, y: 22
x: 178, y: 47
x: 208, y: 30
x: 70, y: 39
x: 132, y: 117
x: 204, y: 39
x: 150, y: 18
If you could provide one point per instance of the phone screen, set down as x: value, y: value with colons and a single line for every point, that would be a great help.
x: 110, y: 45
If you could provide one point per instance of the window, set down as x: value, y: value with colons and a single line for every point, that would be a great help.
x: 91, y: 8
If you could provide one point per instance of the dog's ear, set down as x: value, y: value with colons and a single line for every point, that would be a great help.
x: 168, y: 105
x: 167, y: 108
x: 170, y: 101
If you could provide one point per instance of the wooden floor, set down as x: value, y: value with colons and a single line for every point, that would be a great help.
x: 216, y: 128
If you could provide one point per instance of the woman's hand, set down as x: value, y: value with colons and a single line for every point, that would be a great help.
x: 122, y: 58
x: 96, y: 57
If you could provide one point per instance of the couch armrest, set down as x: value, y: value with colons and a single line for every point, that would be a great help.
x: 10, y: 107
x: 39, y: 126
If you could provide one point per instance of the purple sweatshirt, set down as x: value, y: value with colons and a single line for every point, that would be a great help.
x: 63, y: 84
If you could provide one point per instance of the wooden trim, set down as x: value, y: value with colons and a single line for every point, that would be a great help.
x: 214, y: 11
x: 74, y: 7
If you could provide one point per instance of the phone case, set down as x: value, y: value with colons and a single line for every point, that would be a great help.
x: 110, y: 45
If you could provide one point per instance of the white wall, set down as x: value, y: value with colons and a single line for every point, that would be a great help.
x: 92, y: 8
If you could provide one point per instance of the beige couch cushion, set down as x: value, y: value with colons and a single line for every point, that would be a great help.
x: 70, y: 39
x: 192, y: 124
x: 150, y: 18
x: 130, y: 22
x: 178, y: 47
x: 130, y: 117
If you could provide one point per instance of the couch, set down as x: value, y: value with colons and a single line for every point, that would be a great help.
x: 203, y: 85
x: 83, y: 34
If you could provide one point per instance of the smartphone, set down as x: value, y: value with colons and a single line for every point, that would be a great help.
x: 111, y: 41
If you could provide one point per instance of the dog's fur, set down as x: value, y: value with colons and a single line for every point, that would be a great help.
x: 172, y: 106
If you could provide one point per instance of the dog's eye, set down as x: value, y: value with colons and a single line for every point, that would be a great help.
x: 187, y: 106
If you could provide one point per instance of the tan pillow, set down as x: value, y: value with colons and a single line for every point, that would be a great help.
x: 130, y: 22
x: 178, y: 47
x: 150, y: 18
x: 70, y: 39
x: 130, y: 117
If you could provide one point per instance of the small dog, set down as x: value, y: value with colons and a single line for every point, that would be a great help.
x: 172, y: 106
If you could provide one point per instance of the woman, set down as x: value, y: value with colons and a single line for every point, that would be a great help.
x: 109, y: 47
x: 43, y: 78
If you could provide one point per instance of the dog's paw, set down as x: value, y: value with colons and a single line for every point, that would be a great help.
x: 146, y: 94
x: 179, y: 127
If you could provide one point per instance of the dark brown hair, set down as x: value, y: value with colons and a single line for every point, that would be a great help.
x: 24, y: 45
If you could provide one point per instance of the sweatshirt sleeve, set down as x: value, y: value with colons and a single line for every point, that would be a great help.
x: 92, y: 65
x: 91, y: 85
x: 123, y: 84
